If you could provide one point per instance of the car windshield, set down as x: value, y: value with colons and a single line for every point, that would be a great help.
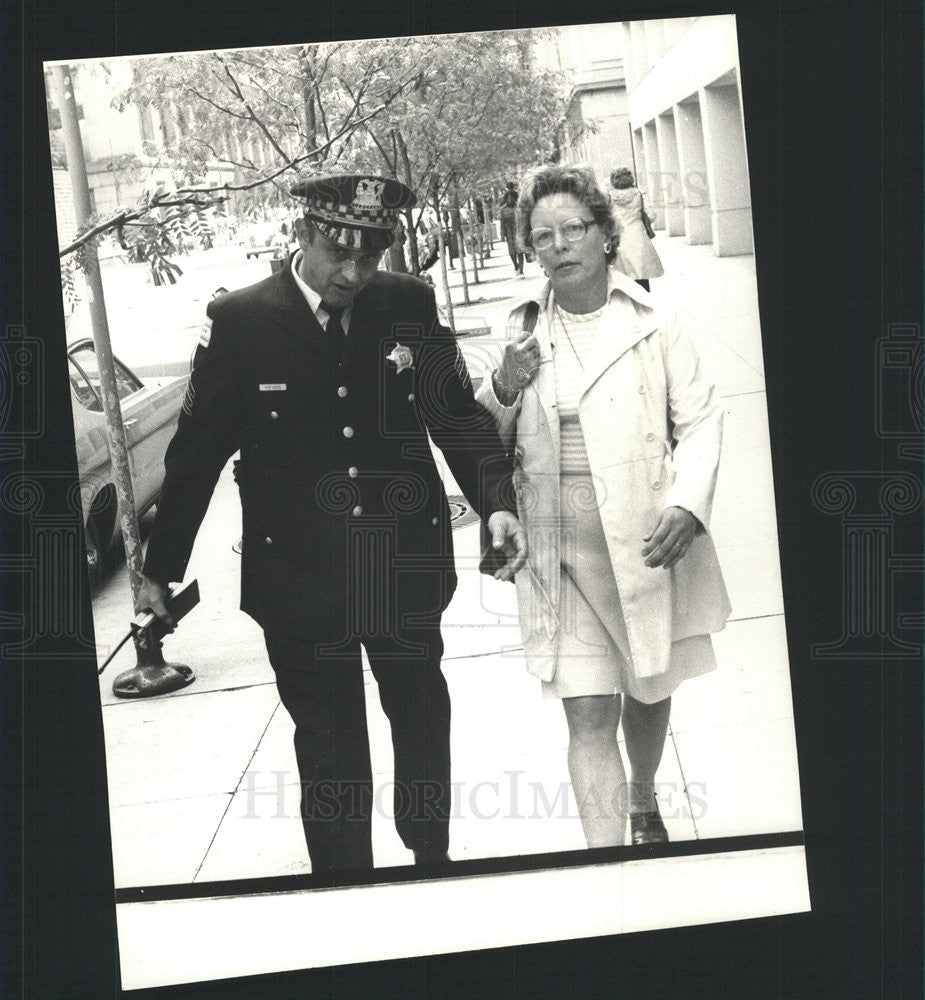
x: 85, y: 378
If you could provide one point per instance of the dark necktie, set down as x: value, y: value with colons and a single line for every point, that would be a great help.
x: 336, y: 334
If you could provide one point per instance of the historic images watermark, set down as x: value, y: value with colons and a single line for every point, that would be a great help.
x: 873, y: 506
x: 274, y: 794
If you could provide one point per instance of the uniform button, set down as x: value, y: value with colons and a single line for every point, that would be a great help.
x: 274, y: 415
x: 353, y: 472
x: 268, y: 540
x: 650, y: 436
x: 342, y: 391
x: 357, y: 510
x: 656, y: 485
x: 348, y: 432
x: 435, y: 520
x: 411, y: 397
x: 642, y: 390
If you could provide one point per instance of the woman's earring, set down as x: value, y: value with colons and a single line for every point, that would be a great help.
x: 608, y: 246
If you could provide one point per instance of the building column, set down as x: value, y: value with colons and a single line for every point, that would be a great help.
x: 652, y: 176
x: 670, y: 178
x: 727, y: 169
x: 655, y: 40
x: 641, y: 163
x: 629, y: 62
x: 640, y: 52
x: 692, y: 161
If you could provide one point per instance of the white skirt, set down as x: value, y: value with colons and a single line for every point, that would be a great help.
x: 593, y: 652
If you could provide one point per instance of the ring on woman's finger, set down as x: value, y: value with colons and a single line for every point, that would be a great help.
x: 523, y: 374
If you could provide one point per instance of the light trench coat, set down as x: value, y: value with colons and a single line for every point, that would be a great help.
x: 652, y: 424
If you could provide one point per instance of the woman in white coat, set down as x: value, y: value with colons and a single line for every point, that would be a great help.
x: 637, y: 256
x: 617, y: 435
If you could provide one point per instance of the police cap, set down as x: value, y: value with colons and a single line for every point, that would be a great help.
x: 356, y: 211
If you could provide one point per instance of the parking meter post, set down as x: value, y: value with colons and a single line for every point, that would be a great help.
x: 151, y: 675
x: 118, y: 448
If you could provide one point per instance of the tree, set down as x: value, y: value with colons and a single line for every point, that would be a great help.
x: 478, y: 109
x: 466, y: 109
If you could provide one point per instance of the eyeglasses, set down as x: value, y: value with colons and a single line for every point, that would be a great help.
x: 572, y: 230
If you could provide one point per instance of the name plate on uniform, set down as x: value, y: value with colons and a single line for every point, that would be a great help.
x: 272, y: 386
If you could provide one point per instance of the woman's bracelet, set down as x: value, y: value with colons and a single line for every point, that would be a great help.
x: 503, y: 393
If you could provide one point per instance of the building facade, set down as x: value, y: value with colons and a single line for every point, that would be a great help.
x: 597, y: 125
x: 127, y: 149
x: 685, y: 107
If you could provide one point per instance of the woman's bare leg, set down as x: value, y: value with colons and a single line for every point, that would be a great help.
x: 645, y: 728
x: 596, y: 767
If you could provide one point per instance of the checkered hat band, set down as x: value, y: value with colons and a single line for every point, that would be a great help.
x: 350, y: 215
x: 366, y: 239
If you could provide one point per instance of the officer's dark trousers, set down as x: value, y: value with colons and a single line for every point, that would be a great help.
x: 322, y: 688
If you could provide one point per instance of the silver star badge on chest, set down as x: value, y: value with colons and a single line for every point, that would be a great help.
x: 402, y: 357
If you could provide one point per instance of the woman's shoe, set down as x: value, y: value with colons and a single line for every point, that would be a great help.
x: 648, y: 828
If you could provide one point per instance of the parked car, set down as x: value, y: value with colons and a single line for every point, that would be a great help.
x: 264, y: 238
x: 149, y: 413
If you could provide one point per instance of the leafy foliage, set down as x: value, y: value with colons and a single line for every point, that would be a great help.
x: 438, y: 112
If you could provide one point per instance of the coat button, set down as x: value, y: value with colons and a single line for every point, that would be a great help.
x: 274, y: 415
x: 435, y: 520
x: 348, y: 432
x: 411, y: 397
x: 342, y: 391
x: 642, y: 390
x: 353, y: 472
x: 268, y: 540
x: 650, y: 436
x: 357, y: 510
x: 656, y: 485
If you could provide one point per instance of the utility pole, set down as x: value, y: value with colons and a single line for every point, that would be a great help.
x: 151, y: 675
x: 118, y: 447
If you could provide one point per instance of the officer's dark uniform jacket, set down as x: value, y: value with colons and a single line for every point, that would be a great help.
x: 343, y: 508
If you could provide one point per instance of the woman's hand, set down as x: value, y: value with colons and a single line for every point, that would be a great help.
x: 671, y: 538
x: 520, y: 362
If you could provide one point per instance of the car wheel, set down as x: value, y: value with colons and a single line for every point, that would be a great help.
x: 96, y: 556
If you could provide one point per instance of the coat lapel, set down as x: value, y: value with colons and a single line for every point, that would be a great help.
x: 621, y: 327
x: 540, y: 394
x: 292, y: 314
x: 364, y: 325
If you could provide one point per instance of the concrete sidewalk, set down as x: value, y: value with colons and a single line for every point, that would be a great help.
x: 203, y: 784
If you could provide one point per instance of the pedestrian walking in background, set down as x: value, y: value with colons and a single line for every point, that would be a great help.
x: 617, y: 433
x: 328, y: 377
x: 637, y: 257
x: 508, y: 205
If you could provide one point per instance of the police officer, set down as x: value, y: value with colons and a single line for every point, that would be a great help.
x: 328, y: 377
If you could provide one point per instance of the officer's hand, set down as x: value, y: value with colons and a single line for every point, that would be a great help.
x: 508, y: 535
x: 151, y: 597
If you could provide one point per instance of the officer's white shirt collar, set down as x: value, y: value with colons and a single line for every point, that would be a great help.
x: 314, y: 299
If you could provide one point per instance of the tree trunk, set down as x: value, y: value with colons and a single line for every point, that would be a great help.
x: 409, y: 214
x: 397, y: 258
x: 413, y: 251
x: 475, y: 234
x: 443, y: 250
x: 112, y: 409
x: 460, y: 242
x: 307, y: 65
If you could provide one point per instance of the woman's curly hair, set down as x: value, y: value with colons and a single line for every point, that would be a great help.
x: 577, y: 180
x: 622, y: 177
